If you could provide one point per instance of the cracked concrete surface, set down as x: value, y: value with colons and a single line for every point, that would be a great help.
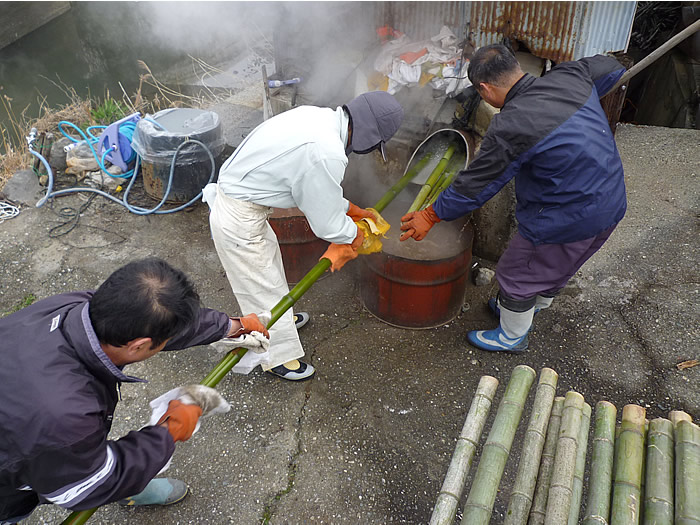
x: 368, y: 440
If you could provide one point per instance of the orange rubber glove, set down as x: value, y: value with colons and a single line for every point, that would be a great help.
x: 339, y: 254
x: 249, y: 323
x: 180, y: 419
x: 357, y: 214
x: 417, y: 224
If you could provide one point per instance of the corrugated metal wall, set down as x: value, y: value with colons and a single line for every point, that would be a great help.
x: 559, y: 31
x: 421, y: 20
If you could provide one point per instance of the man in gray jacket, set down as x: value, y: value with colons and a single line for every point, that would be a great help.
x: 63, y: 364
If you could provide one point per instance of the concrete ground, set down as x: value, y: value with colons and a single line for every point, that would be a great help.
x: 369, y: 439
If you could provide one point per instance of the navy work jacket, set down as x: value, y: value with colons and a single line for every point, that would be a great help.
x: 553, y: 137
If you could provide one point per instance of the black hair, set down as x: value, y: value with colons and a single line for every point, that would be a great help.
x: 145, y: 298
x: 492, y: 64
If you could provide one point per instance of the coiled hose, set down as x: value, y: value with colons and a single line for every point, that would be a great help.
x: 131, y: 174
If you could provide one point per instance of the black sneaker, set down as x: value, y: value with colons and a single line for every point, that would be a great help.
x: 300, y: 319
x: 301, y: 373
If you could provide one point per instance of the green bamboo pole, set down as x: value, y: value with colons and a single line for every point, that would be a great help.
x: 600, y: 481
x: 451, y: 492
x: 79, y: 517
x: 234, y: 356
x: 441, y: 186
x: 539, y: 503
x: 526, y: 478
x: 402, y: 183
x: 687, y: 438
x: 658, y: 497
x: 575, y: 508
x: 677, y: 416
x: 432, y: 179
x: 456, y: 163
x: 628, y: 470
x: 562, y: 484
x: 482, y: 495
x: 642, y: 487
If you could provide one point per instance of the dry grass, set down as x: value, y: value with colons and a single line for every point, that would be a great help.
x: 14, y: 154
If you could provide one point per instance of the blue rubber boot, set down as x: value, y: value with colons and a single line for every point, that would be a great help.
x: 510, y: 336
x: 497, y: 341
x: 159, y: 491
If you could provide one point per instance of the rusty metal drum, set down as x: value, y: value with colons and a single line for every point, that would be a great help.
x: 300, y: 248
x: 421, y: 284
x: 407, y: 292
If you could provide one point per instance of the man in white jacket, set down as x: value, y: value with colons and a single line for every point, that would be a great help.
x: 295, y: 159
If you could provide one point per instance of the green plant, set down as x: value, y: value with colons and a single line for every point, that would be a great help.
x: 109, y: 111
x: 26, y: 301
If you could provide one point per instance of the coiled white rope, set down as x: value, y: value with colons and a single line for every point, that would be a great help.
x: 7, y: 211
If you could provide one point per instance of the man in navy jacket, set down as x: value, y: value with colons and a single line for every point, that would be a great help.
x: 553, y: 137
x: 62, y: 366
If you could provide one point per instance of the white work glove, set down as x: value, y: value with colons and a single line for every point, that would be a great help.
x: 207, y: 398
x: 254, y: 341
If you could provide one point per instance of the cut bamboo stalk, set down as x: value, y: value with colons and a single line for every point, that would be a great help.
x: 626, y: 500
x: 687, y: 439
x: 442, y: 185
x: 451, y: 492
x: 600, y: 481
x: 678, y: 415
x: 432, y: 179
x: 577, y: 494
x: 482, y: 495
x: 658, y: 497
x: 526, y: 478
x: 539, y: 502
x: 561, y: 486
x: 456, y: 162
x: 402, y: 183
x: 642, y: 487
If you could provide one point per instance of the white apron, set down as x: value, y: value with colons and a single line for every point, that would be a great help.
x: 250, y: 254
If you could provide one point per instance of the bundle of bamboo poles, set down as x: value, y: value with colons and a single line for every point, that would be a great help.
x: 439, y: 179
x: 641, y: 472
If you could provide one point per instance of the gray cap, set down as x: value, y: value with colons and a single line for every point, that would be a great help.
x: 375, y: 117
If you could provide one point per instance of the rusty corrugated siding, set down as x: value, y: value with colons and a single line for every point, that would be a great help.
x: 422, y: 20
x: 559, y: 31
x: 549, y: 29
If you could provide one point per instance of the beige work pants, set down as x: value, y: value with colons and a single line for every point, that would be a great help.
x: 250, y: 254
